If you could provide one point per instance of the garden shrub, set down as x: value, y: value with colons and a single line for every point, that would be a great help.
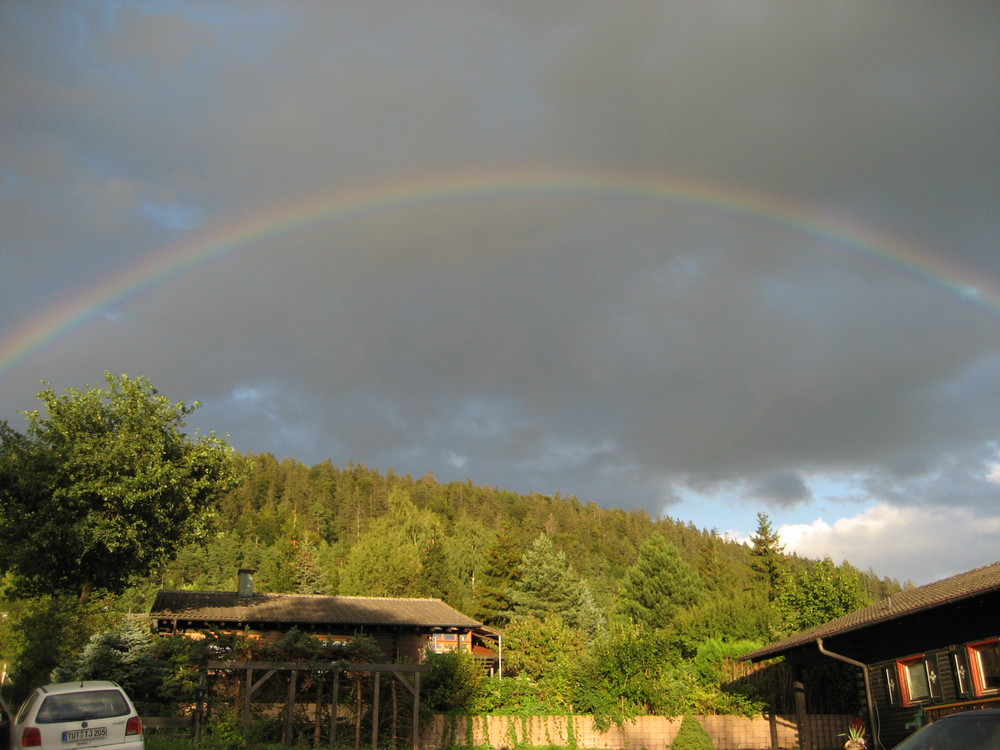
x: 692, y: 736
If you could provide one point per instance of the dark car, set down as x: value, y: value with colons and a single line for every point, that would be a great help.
x: 968, y: 730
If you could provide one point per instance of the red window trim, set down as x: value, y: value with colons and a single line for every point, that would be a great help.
x: 975, y: 666
x: 904, y: 679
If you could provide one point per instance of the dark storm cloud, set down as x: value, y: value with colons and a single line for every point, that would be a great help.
x: 623, y: 351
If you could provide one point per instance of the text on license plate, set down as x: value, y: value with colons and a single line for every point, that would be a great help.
x: 75, y: 735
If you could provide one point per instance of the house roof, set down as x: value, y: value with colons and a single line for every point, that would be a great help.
x: 228, y: 606
x: 911, y: 601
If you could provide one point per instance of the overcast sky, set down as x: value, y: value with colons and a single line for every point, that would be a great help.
x: 704, y: 258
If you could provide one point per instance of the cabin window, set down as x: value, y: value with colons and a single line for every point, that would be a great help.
x: 984, y: 658
x: 915, y: 680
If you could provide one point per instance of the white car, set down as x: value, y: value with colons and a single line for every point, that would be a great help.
x: 69, y: 715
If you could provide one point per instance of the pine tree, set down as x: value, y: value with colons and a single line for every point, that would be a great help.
x: 501, y: 572
x: 547, y: 585
x: 659, y: 585
x: 767, y: 555
x: 436, y: 579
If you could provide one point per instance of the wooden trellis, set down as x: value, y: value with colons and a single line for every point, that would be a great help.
x: 252, y: 683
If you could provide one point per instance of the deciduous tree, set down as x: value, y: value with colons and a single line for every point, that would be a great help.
x: 104, y: 486
x: 814, y: 594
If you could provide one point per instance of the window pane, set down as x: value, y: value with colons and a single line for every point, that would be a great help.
x: 85, y: 706
x: 988, y: 658
x: 916, y: 681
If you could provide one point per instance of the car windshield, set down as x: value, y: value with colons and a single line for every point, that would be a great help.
x: 967, y: 733
x: 84, y: 706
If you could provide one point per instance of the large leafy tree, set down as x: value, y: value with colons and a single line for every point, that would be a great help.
x: 388, y: 558
x: 816, y: 593
x: 545, y: 650
x: 659, y: 584
x: 623, y: 673
x: 104, y: 486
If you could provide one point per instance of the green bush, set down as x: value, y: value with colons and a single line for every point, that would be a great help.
x: 123, y: 655
x: 692, y: 736
x: 453, y: 684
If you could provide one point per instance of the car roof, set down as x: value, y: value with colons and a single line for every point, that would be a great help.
x: 74, y: 687
x: 992, y: 713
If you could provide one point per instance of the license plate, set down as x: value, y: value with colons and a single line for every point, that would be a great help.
x: 91, y: 733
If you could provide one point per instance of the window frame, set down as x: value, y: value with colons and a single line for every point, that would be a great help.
x: 973, y: 652
x: 928, y: 667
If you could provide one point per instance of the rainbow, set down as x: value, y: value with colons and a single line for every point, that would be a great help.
x: 228, y: 238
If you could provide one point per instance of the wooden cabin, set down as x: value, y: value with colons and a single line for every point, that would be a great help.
x: 402, y: 628
x: 921, y: 653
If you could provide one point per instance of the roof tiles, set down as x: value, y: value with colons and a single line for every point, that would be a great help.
x: 910, y: 601
x: 228, y: 606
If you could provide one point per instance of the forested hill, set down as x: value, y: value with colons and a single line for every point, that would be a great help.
x: 357, y: 531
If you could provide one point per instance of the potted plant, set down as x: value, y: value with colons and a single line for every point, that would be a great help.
x: 856, y: 738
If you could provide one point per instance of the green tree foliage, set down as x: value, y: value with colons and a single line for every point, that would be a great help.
x: 716, y: 666
x: 437, y: 579
x: 389, y: 557
x: 36, y: 634
x: 743, y: 616
x: 816, y: 593
x: 104, y: 487
x: 546, y: 651
x: 624, y: 674
x: 500, y: 572
x: 589, y: 616
x: 659, y: 585
x: 454, y: 683
x: 692, y: 736
x: 124, y: 655
x: 547, y: 585
x: 767, y: 558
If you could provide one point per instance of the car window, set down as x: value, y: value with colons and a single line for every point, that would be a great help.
x: 92, y: 704
x: 22, y: 713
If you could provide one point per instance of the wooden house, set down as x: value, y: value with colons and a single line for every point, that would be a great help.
x: 920, y: 653
x: 402, y: 628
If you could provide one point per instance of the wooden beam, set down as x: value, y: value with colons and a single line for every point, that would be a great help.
x: 334, y: 709
x: 375, y: 711
x: 319, y: 666
x: 286, y: 735
x: 416, y: 711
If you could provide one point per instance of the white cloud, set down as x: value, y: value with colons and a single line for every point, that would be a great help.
x: 909, y: 544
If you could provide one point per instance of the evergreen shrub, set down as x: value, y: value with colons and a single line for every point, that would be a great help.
x: 692, y: 736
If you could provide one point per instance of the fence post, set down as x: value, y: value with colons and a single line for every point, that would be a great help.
x: 375, y: 710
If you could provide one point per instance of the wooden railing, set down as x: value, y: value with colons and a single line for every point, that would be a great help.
x: 936, y: 712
